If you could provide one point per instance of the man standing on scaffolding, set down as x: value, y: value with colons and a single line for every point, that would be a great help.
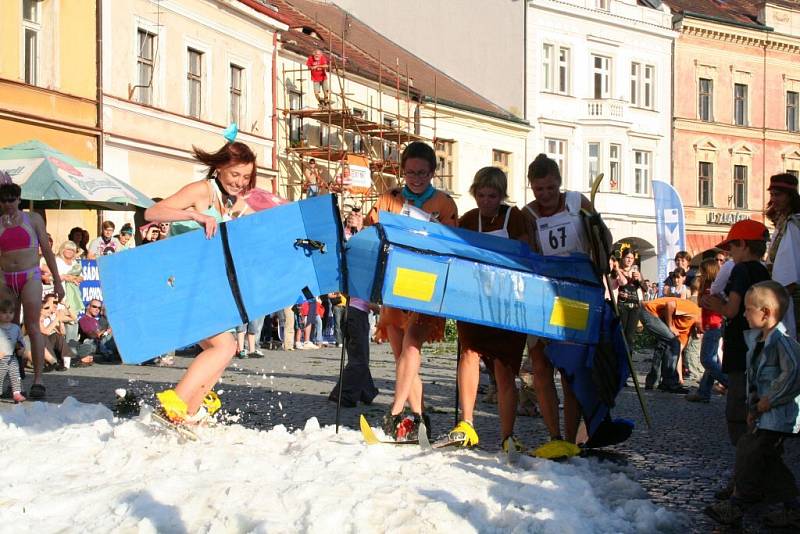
x: 317, y: 63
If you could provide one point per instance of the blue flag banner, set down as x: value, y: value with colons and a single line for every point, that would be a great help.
x: 670, y: 229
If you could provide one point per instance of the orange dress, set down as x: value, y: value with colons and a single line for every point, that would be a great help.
x: 444, y: 210
x: 494, y: 343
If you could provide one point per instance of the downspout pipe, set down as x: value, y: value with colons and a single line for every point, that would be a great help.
x: 98, y: 60
x: 275, y: 111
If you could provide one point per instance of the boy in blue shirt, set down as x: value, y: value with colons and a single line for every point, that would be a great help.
x: 773, y: 389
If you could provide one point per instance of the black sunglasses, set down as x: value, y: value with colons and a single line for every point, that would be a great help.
x: 8, y: 199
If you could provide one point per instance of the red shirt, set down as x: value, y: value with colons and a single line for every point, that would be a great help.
x: 711, y: 319
x: 318, y: 68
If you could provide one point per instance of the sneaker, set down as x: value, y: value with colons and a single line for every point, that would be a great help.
x: 172, y: 406
x: 696, y: 397
x: 298, y: 345
x: 242, y: 354
x: 783, y: 518
x: 513, y: 443
x: 724, y: 512
x: 719, y: 389
x: 256, y: 354
x: 464, y: 435
x: 19, y: 397
x: 309, y: 345
x: 391, y: 423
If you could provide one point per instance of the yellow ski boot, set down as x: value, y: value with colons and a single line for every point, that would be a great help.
x: 172, y: 406
x: 556, y: 449
x: 463, y: 435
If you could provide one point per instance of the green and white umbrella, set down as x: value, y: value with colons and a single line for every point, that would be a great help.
x: 53, y: 179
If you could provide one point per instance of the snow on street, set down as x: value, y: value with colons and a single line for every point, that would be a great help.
x: 74, y: 467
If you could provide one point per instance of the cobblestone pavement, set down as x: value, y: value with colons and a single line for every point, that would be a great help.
x: 680, y: 462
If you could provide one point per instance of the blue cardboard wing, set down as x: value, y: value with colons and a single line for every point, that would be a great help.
x: 178, y: 291
x: 469, y: 276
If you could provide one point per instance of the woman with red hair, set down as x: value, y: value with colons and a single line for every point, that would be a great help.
x: 205, y: 204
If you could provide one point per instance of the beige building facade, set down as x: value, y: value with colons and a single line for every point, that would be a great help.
x: 176, y: 74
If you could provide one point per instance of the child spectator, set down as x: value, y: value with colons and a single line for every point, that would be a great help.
x: 773, y: 390
x: 9, y: 364
x: 747, y: 243
x: 712, y: 333
x: 678, y: 288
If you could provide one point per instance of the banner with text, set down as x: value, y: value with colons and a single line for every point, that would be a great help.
x: 90, y: 287
x: 670, y: 229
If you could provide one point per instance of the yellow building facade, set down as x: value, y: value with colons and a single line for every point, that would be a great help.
x: 48, y: 84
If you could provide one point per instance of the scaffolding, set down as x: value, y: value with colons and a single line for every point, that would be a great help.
x: 353, y: 132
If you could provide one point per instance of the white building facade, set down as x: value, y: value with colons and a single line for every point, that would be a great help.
x: 599, y: 97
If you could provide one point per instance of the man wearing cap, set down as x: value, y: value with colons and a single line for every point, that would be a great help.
x: 783, y: 256
x: 747, y: 243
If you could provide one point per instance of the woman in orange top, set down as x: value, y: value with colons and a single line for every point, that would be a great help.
x: 407, y: 331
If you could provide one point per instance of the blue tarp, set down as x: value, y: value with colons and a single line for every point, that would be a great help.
x: 175, y: 292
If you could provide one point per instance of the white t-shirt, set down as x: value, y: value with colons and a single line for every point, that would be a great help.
x: 719, y: 283
x: 786, y: 269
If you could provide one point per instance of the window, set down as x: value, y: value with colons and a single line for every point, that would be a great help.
x: 556, y: 149
x: 501, y: 159
x: 31, y: 24
x: 740, y: 187
x: 648, y: 98
x: 641, y: 172
x: 794, y: 173
x: 740, y: 104
x: 563, y: 70
x: 614, y: 166
x: 390, y: 152
x: 594, y: 162
x: 194, y: 77
x: 705, y: 188
x: 555, y: 71
x: 145, y: 61
x: 295, y: 121
x: 601, y: 76
x: 237, y: 95
x: 547, y: 67
x: 642, y: 80
x: 705, y: 100
x: 792, y: 111
x: 444, y: 169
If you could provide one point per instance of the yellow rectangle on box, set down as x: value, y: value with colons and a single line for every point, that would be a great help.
x: 413, y: 284
x: 570, y: 313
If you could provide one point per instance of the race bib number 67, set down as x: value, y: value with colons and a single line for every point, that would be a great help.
x: 558, y: 238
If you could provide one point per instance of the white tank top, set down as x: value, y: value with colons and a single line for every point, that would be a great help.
x: 502, y: 232
x: 562, y: 233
